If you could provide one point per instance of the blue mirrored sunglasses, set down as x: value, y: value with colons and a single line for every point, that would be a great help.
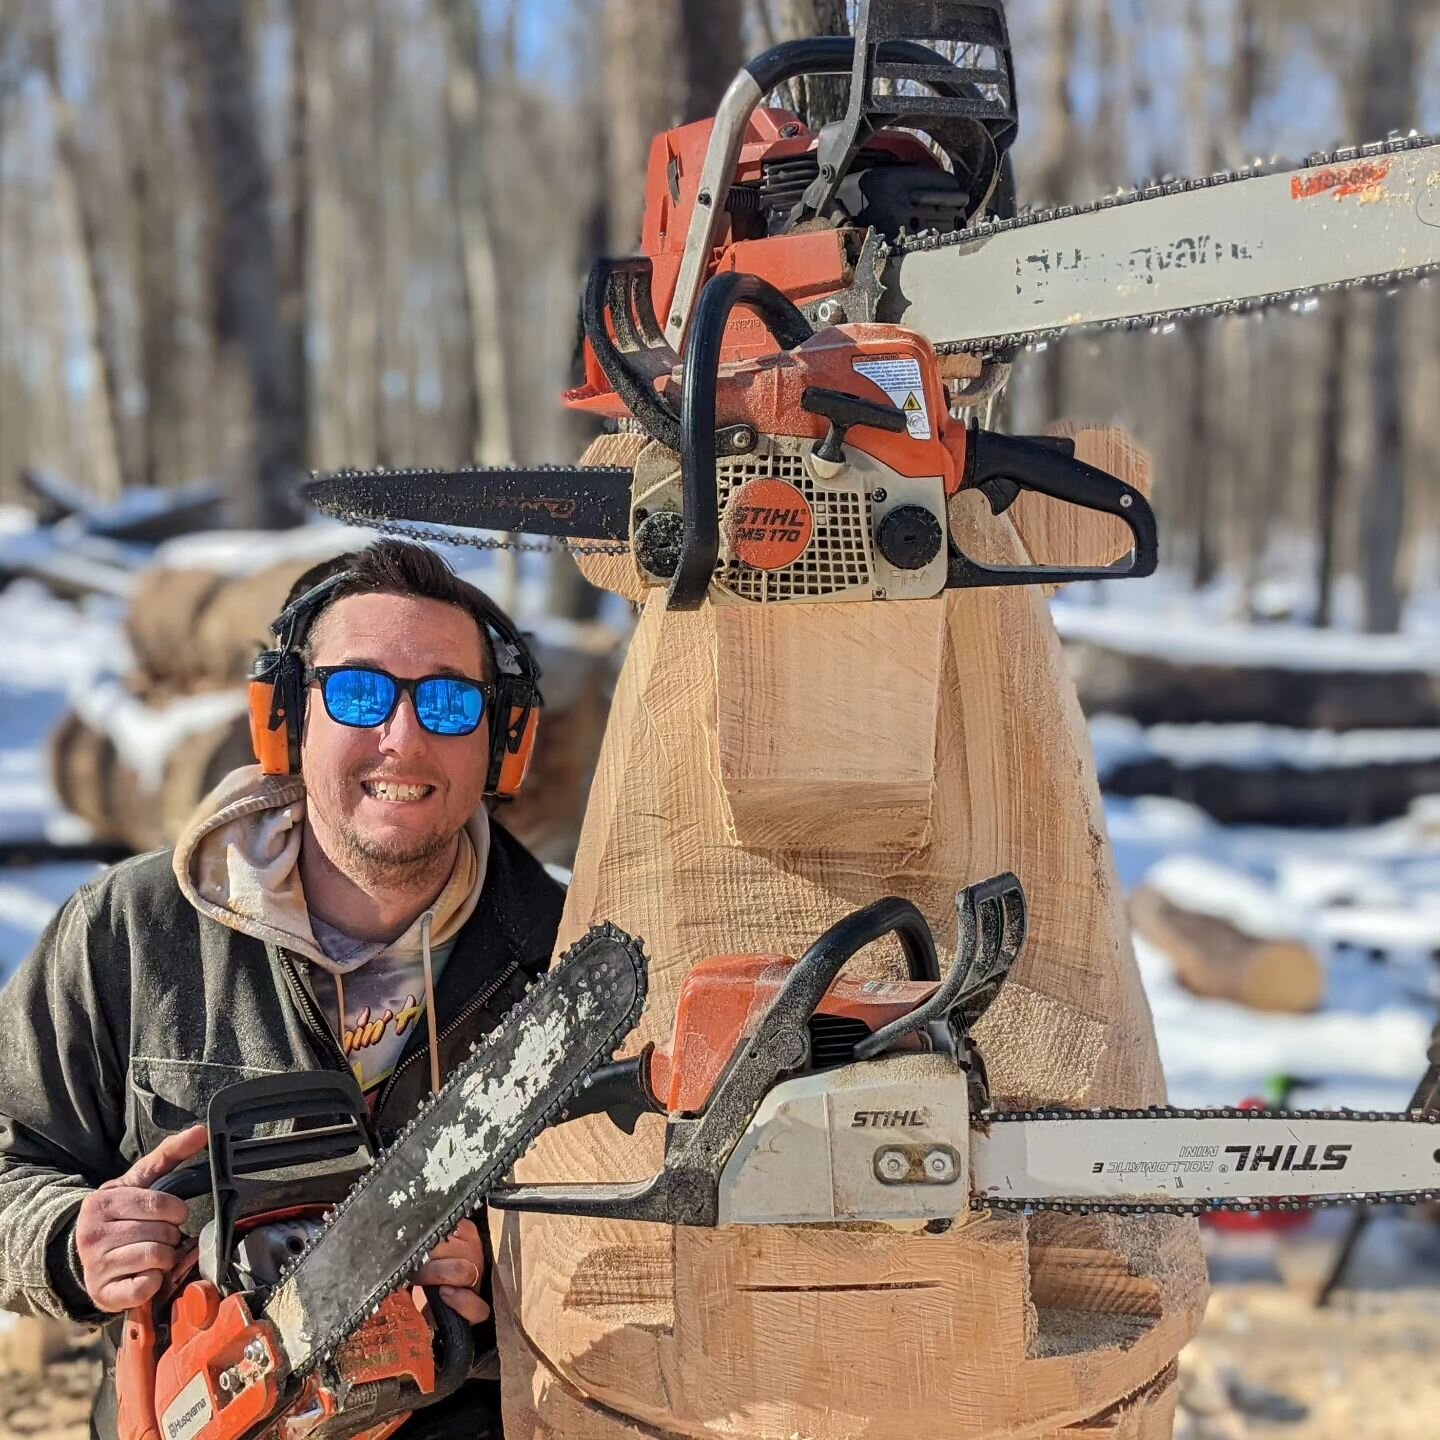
x: 360, y: 697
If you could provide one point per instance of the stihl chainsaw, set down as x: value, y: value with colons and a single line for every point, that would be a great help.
x: 904, y: 255
x: 794, y: 1094
x: 791, y: 1093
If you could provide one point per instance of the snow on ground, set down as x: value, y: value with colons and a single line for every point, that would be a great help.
x: 1119, y: 740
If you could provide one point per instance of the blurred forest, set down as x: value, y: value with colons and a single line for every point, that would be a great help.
x: 241, y: 238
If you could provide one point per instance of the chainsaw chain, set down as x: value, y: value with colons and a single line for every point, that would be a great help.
x: 1281, y: 1203
x: 414, y: 531
x: 996, y: 344
x: 498, y: 1167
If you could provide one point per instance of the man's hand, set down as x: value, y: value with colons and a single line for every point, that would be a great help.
x: 456, y: 1266
x: 128, y: 1235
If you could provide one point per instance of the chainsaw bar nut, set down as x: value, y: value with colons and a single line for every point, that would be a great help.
x: 917, y: 1165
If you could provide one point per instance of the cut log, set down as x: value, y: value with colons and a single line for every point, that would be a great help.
x: 1226, y: 938
x: 134, y: 772
x: 1159, y: 689
x: 163, y: 619
x: 997, y: 1326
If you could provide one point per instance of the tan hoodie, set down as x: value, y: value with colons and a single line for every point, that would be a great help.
x: 238, y: 862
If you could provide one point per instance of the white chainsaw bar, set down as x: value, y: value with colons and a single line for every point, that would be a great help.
x: 1180, y: 1160
x: 1234, y: 241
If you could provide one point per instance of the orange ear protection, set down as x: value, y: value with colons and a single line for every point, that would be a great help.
x: 277, y: 693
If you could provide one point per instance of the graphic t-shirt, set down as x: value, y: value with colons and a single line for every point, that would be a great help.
x: 384, y: 1000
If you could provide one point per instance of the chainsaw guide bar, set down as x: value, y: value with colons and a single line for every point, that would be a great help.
x: 439, y: 1170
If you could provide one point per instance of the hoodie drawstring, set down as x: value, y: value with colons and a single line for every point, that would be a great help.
x: 425, y: 921
x: 340, y: 1005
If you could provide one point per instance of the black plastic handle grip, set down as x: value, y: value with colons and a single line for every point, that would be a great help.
x: 1037, y: 463
x: 700, y: 542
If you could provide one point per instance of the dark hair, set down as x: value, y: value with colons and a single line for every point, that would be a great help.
x: 389, y: 566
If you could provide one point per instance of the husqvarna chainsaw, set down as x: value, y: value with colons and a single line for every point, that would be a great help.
x: 791, y: 1093
x: 890, y: 281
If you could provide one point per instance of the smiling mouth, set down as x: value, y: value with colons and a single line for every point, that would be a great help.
x: 394, y: 793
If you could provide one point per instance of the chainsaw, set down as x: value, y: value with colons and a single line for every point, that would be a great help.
x: 296, y: 1321
x: 794, y: 1094
x: 894, y: 273
x: 791, y: 1093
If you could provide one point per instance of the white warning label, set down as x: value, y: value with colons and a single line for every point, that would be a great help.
x: 899, y: 377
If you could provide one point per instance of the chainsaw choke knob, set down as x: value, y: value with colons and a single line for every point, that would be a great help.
x: 658, y: 539
x: 909, y: 537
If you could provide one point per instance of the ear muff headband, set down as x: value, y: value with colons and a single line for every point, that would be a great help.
x: 277, y: 692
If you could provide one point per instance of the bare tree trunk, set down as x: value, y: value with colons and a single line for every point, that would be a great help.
x: 1330, y: 460
x: 90, y: 211
x: 816, y: 99
x: 1053, y: 162
x: 244, y: 260
x: 1389, y: 102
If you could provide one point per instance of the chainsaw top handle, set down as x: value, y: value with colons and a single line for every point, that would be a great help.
x: 700, y: 542
x: 243, y: 1174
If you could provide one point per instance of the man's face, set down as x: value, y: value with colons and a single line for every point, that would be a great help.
x: 393, y: 796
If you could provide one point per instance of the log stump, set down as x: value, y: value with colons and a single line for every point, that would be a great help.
x: 905, y: 749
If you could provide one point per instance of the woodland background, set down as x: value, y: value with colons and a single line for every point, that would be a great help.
x: 241, y: 238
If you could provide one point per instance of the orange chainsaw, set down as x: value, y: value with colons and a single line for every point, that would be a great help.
x: 819, y: 471
x: 203, y: 1364
x: 888, y: 266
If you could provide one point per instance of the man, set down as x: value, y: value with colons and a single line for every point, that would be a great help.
x: 366, y: 913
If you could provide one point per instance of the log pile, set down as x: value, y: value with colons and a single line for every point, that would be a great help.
x: 134, y: 759
x: 1262, y: 736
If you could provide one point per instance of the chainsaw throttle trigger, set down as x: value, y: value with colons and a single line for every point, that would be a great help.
x: 842, y: 411
x: 1000, y: 466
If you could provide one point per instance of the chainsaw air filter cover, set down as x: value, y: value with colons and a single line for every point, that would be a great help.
x: 792, y: 533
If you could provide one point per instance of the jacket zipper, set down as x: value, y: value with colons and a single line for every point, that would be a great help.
x: 318, y: 1023
x: 478, y: 1002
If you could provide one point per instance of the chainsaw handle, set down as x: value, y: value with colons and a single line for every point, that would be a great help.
x: 815, y: 971
x: 700, y: 542
x: 1000, y: 465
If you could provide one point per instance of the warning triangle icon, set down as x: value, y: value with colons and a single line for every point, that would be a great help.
x: 912, y: 403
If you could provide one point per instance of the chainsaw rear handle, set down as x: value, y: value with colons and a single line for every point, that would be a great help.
x: 1002, y: 465
x: 700, y: 540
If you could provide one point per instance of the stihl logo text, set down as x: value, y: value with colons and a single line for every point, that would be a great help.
x: 884, y: 1119
x: 770, y: 525
x: 1289, y: 1157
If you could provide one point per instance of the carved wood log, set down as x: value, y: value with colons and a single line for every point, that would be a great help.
x: 909, y: 749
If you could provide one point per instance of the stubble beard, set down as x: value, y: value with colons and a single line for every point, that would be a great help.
x: 397, y: 863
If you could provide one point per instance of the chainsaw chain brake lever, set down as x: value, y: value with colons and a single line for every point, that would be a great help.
x: 1001, y: 466
x: 992, y: 924
x: 687, y: 1189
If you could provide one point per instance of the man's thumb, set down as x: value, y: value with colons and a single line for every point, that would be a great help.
x: 172, y: 1151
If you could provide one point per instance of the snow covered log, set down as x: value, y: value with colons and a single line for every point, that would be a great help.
x: 1268, y: 775
x: 1227, y: 938
x: 1280, y: 675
